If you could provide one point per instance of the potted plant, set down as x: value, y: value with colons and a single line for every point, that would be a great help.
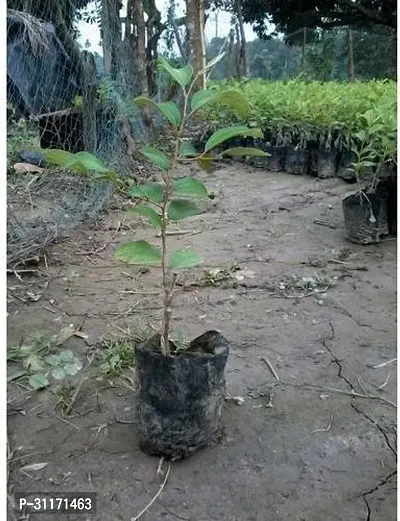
x: 363, y: 211
x: 180, y: 391
x: 297, y: 158
x: 366, y: 213
x: 327, y: 155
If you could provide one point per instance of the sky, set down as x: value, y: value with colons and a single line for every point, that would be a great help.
x: 92, y: 32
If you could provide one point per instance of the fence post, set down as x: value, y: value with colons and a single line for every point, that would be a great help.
x: 89, y: 103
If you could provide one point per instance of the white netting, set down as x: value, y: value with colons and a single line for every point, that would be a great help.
x: 48, y: 85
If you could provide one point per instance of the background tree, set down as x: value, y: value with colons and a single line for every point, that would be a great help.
x: 326, y: 56
x: 139, y: 37
x: 241, y: 40
x: 195, y: 22
x: 290, y: 15
x: 154, y: 30
x: 110, y: 30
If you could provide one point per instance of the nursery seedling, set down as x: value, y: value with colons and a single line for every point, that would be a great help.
x: 171, y: 199
x: 326, y: 115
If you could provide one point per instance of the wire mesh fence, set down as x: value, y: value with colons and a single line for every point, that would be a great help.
x: 64, y: 106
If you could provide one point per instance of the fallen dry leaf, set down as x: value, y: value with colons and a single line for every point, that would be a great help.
x: 239, y: 400
x: 79, y: 334
x: 242, y: 274
x: 25, y: 168
x: 34, y: 466
x: 33, y: 296
x: 65, y: 333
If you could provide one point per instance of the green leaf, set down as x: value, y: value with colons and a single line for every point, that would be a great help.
x: 223, y: 134
x: 144, y: 101
x: 204, y: 162
x: 73, y: 368
x: 58, y: 373
x: 182, y: 76
x: 153, y: 192
x: 153, y: 217
x: 186, y: 149
x: 203, y: 97
x: 16, y: 375
x: 53, y: 360
x: 234, y: 99
x: 157, y: 157
x: 84, y: 162
x: 13, y: 354
x: 110, y: 176
x: 169, y: 109
x: 190, y: 186
x: 138, y: 252
x: 180, y: 209
x: 171, y: 112
x: 66, y: 355
x: 184, y: 258
x: 56, y: 157
x: 38, y: 381
x: 33, y: 363
x: 245, y: 151
x: 368, y: 163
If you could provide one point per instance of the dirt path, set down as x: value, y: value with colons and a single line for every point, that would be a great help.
x: 295, y: 449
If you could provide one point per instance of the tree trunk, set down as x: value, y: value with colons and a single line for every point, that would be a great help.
x: 216, y: 24
x: 286, y: 62
x: 111, y: 37
x: 195, y: 32
x: 242, y: 56
x: 231, y: 59
x: 154, y: 29
x: 129, y: 80
x: 237, y: 51
x: 350, y: 56
x: 303, y: 49
x: 181, y: 46
x: 89, y: 104
x: 140, y: 56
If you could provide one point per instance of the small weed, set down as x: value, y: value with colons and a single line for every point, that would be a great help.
x: 302, y: 286
x: 218, y: 276
x: 178, y: 338
x: 117, y: 357
x: 64, y: 396
x: 40, y: 359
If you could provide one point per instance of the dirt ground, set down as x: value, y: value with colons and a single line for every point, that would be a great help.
x: 315, y: 437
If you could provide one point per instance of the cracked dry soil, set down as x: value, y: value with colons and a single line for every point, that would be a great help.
x: 301, y: 448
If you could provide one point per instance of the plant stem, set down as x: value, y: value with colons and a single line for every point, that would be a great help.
x: 167, y: 296
x: 169, y: 289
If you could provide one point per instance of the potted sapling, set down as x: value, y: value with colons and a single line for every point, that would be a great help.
x: 181, y: 391
x: 326, y: 156
x: 366, y: 212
